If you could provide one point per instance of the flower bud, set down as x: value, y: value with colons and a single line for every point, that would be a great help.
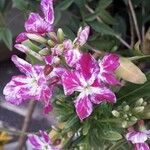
x: 144, y: 103
x: 36, y: 38
x: 115, y: 113
x: 139, y: 102
x: 53, y: 36
x: 60, y: 35
x: 48, y: 69
x: 126, y: 108
x: 124, y: 124
x: 51, y: 43
x: 133, y: 119
x: 138, y: 109
x: 44, y: 52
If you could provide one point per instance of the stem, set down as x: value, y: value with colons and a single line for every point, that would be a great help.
x: 26, y: 123
x: 134, y: 19
x: 117, y: 36
x: 131, y: 30
x: 117, y: 145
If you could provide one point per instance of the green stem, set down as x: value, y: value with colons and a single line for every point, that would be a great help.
x: 117, y: 145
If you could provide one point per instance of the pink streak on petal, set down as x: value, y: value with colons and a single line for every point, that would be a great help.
x: 83, y: 35
x: 47, y: 8
x: 110, y: 62
x: 21, y: 37
x: 88, y: 66
x: 83, y: 106
x: 141, y: 146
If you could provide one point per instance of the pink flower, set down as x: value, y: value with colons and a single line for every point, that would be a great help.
x: 84, y: 80
x: 108, y: 65
x: 41, y: 143
x: 138, y: 139
x: 70, y: 50
x: 37, y: 24
x: 33, y: 85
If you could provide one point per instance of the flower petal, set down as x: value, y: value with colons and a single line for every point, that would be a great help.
x: 72, y: 56
x: 83, y: 106
x: 22, y: 65
x: 17, y: 90
x: 21, y: 37
x: 99, y: 95
x: 136, y: 137
x: 141, y: 146
x: 47, y: 8
x: 83, y: 35
x: 36, y: 24
x: 88, y: 67
x: 71, y: 82
x: 110, y: 78
x: 110, y: 62
x: 45, y: 136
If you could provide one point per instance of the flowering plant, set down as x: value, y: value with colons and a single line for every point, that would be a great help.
x: 93, y: 105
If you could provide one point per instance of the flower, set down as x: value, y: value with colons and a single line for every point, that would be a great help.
x: 138, y: 139
x: 33, y: 85
x: 37, y: 24
x: 41, y: 143
x: 108, y: 65
x: 70, y: 50
x: 84, y: 80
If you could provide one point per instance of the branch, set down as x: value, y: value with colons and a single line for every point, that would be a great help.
x: 117, y: 36
x: 134, y: 19
x: 26, y: 123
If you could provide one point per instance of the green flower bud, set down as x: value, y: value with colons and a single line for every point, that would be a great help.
x: 144, y: 103
x: 44, y: 52
x: 51, y: 43
x: 139, y: 102
x: 138, y: 109
x: 133, y: 119
x: 36, y: 38
x: 126, y: 108
x: 124, y: 124
x: 60, y: 35
x: 53, y: 36
x: 125, y: 116
x: 115, y: 113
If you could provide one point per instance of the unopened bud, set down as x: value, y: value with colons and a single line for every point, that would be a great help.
x: 60, y: 35
x: 124, y: 124
x: 125, y: 116
x: 115, y: 113
x: 138, y: 109
x: 44, y: 52
x: 133, y: 119
x: 139, y: 102
x: 126, y: 108
x: 48, y: 69
x: 36, y: 38
x: 51, y: 43
x: 53, y: 36
x: 144, y: 103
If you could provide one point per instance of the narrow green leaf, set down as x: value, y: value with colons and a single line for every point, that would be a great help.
x: 6, y: 36
x: 65, y: 4
x: 101, y: 28
x: 112, y: 136
x: 57, y: 16
x: 104, y: 4
x: 20, y: 4
x: 139, y: 57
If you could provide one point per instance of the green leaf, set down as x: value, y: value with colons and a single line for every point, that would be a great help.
x: 102, y: 28
x: 133, y: 92
x: 139, y: 57
x: 2, y: 5
x: 20, y: 4
x: 107, y: 18
x: 6, y: 36
x: 92, y: 16
x: 104, y: 4
x: 57, y: 16
x: 112, y: 136
x: 64, y: 4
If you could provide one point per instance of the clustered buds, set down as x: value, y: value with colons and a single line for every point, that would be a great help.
x: 129, y: 115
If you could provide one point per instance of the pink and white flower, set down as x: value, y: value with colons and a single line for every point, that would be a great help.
x: 70, y: 50
x: 138, y: 139
x: 33, y: 85
x: 41, y: 143
x: 84, y: 80
x: 37, y: 24
x: 108, y: 65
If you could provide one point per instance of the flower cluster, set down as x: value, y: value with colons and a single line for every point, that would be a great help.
x: 65, y: 64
